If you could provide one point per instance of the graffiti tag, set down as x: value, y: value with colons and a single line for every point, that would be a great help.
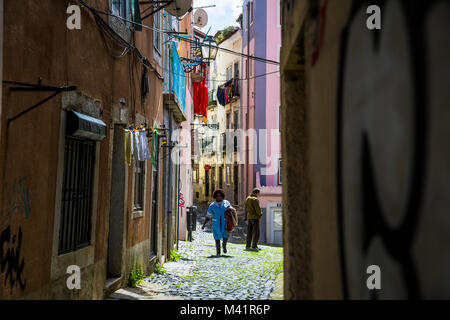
x: 10, y: 262
x: 20, y: 200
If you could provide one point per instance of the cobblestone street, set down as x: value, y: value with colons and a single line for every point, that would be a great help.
x: 239, y: 274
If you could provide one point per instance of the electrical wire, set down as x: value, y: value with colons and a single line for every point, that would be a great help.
x: 170, y: 33
x: 225, y: 80
x: 105, y: 29
x: 104, y: 26
x: 232, y: 52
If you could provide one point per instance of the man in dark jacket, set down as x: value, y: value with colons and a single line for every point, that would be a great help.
x: 253, y: 215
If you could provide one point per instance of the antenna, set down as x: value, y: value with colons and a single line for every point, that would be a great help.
x: 200, y: 18
x: 178, y: 8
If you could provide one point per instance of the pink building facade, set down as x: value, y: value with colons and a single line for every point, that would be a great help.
x: 260, y: 100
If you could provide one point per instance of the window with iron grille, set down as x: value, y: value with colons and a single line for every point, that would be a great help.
x: 77, y: 195
x: 139, y: 179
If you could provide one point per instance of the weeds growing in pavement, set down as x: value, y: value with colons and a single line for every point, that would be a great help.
x: 174, y: 256
x: 136, y: 277
x: 159, y: 269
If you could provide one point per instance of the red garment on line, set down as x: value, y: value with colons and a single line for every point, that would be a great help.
x: 201, y: 96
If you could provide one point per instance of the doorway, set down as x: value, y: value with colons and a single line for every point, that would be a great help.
x: 154, y: 219
x: 236, y: 184
x: 274, y: 231
x: 117, y: 205
x: 206, y: 183
x: 213, y: 179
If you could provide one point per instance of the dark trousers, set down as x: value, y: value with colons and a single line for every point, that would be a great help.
x: 252, y: 233
x: 224, y: 244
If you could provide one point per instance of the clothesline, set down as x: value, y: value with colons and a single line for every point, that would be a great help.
x: 136, y: 143
x: 227, y: 91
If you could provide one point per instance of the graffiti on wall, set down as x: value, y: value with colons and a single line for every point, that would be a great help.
x: 19, y: 200
x: 393, y: 170
x: 11, y: 262
x: 181, y: 203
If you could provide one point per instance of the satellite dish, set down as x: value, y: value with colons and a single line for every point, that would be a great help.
x: 178, y: 8
x: 200, y: 18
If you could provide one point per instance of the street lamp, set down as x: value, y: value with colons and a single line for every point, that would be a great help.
x: 209, y: 48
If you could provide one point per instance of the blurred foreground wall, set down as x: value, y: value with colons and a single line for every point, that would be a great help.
x: 366, y: 131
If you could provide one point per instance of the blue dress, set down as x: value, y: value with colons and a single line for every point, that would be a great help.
x: 217, y: 214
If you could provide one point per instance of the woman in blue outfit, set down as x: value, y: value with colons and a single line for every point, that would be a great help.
x: 216, y: 213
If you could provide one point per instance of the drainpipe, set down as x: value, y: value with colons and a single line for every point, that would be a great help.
x: 1, y: 81
x: 247, y: 120
x: 178, y: 197
x: 1, y: 58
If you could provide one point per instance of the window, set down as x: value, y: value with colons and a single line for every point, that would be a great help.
x: 224, y: 142
x: 139, y: 181
x: 229, y: 73
x: 228, y: 175
x: 279, y: 171
x: 77, y: 194
x: 228, y: 121
x: 120, y: 8
x: 196, y: 174
x: 236, y: 69
x: 156, y: 33
x: 251, y: 11
x: 236, y: 120
x: 214, y: 144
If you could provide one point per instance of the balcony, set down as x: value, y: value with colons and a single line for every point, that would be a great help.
x: 174, y: 85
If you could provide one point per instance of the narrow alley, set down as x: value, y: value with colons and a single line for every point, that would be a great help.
x: 308, y: 136
x: 200, y: 275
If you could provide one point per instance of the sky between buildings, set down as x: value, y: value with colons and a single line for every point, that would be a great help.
x: 224, y: 14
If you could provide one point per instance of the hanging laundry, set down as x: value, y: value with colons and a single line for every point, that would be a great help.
x: 205, y: 104
x: 128, y: 145
x: 131, y: 142
x: 144, y: 145
x: 137, y: 146
x: 225, y: 92
x: 180, y: 49
x: 196, y: 93
x: 154, y: 147
x: 221, y: 96
x: 201, y: 96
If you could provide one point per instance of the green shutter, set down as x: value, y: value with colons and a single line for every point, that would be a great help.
x: 136, y: 14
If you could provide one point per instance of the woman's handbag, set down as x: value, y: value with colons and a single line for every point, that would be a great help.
x: 231, y: 221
